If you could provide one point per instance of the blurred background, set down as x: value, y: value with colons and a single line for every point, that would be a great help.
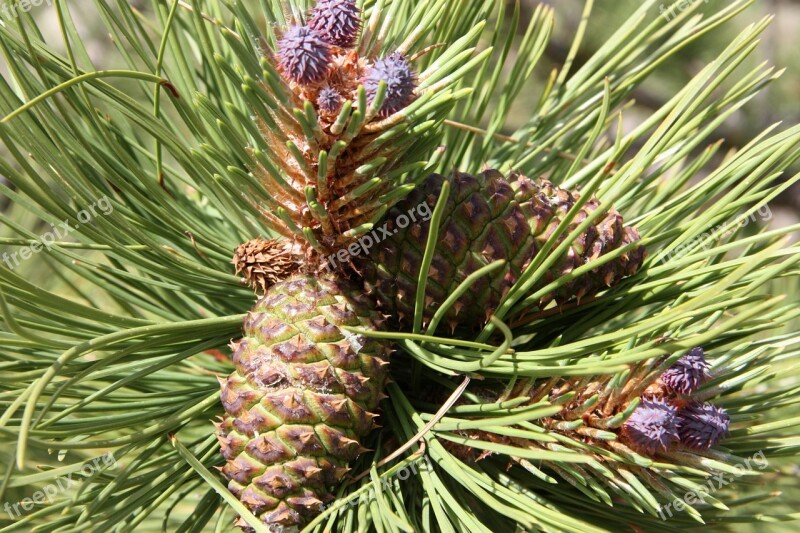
x: 779, y: 102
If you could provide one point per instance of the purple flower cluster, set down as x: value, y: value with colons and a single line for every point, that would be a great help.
x: 658, y: 423
x: 338, y: 22
x: 304, y: 52
x: 688, y: 373
x: 305, y: 55
x: 400, y: 83
x: 652, y: 427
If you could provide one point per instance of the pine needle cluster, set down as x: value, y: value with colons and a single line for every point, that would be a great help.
x: 542, y: 417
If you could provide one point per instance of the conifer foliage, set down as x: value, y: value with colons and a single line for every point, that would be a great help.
x: 564, y: 344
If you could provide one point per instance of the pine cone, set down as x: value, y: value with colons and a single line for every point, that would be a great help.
x: 486, y: 218
x: 301, y: 398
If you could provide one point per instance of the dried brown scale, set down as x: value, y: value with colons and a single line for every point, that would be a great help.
x: 265, y: 262
x: 491, y: 217
x: 303, y: 395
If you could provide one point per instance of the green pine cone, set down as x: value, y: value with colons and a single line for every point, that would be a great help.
x: 303, y: 394
x: 489, y: 217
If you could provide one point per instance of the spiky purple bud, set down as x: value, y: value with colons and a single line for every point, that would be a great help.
x: 652, y: 427
x: 688, y: 372
x: 337, y: 21
x: 329, y: 100
x: 702, y: 425
x: 400, y: 83
x: 304, y: 57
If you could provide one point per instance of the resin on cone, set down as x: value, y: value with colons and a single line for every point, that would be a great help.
x: 490, y: 217
x: 304, y: 393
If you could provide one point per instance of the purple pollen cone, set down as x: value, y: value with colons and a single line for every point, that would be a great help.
x: 688, y: 373
x: 338, y: 22
x: 703, y: 425
x: 400, y: 84
x: 329, y: 100
x: 653, y: 426
x: 303, y: 56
